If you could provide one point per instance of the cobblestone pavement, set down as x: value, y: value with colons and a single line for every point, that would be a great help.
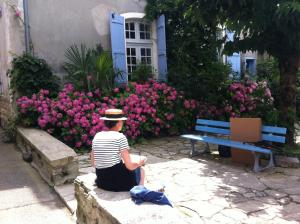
x: 208, y: 189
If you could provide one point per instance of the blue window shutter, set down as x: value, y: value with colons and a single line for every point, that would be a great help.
x: 161, y: 47
x: 117, y: 37
x: 235, y: 59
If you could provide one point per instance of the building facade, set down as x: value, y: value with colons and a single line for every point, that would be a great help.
x: 119, y: 26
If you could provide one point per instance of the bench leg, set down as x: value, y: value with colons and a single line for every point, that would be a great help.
x: 257, y: 167
x: 207, y: 149
x: 192, y: 153
x: 271, y: 162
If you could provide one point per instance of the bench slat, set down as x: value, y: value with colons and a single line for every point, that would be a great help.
x: 223, y: 124
x: 273, y: 138
x: 228, y: 143
x: 275, y: 130
x: 213, y: 130
x: 269, y: 133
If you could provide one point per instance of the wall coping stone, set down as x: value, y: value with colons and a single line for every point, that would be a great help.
x: 56, y: 162
x: 99, y: 206
x: 53, y: 150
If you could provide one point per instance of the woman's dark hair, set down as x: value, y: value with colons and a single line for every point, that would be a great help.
x: 110, y: 124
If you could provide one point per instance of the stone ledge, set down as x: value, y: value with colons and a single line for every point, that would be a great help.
x: 56, y: 162
x: 287, y: 162
x: 98, y: 206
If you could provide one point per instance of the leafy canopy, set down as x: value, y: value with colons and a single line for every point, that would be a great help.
x: 191, y: 47
x: 263, y: 25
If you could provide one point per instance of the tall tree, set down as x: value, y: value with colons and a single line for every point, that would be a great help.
x: 271, y: 26
x: 193, y: 63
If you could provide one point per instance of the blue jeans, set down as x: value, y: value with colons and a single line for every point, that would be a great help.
x: 138, y: 175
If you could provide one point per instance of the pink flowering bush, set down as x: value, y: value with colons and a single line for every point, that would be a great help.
x: 242, y: 99
x: 250, y: 99
x: 152, y: 109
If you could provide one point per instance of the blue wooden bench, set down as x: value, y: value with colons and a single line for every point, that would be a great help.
x: 270, y: 134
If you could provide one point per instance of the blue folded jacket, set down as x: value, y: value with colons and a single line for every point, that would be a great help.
x: 140, y: 194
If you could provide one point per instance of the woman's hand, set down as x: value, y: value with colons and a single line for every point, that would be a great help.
x: 132, y: 161
x: 143, y: 160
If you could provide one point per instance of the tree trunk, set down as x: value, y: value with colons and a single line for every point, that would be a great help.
x: 288, y: 66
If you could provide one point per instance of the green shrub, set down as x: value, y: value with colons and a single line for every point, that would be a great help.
x: 142, y: 73
x: 203, y: 85
x: 90, y: 68
x: 30, y: 74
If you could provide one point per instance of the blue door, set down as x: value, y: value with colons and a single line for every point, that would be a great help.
x: 251, y: 66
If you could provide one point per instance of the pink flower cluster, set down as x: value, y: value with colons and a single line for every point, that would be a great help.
x: 151, y: 108
x: 245, y: 98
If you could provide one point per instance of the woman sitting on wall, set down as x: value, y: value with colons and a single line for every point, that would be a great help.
x: 116, y: 168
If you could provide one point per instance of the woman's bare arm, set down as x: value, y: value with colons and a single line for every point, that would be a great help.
x: 132, y: 162
x: 92, y: 158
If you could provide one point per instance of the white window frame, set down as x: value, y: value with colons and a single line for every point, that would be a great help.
x: 141, y: 43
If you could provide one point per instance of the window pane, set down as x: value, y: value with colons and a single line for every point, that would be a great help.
x: 142, y: 27
x: 131, y: 26
x: 143, y: 60
x: 132, y: 35
x: 133, y: 60
x: 127, y: 34
x: 147, y: 36
x: 126, y: 26
x: 128, y: 51
x: 143, y: 51
x: 128, y: 60
x: 147, y: 28
x: 148, y: 52
x: 142, y: 35
x: 133, y: 51
x: 149, y: 61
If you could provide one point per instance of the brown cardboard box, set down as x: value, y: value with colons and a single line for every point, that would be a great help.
x: 244, y: 130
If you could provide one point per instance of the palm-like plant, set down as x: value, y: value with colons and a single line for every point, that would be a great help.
x: 90, y: 68
x: 105, y: 75
x: 79, y: 65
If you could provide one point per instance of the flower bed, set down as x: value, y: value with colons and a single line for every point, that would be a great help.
x: 152, y: 109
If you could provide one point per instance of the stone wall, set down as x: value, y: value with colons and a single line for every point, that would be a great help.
x: 56, y: 162
x: 11, y: 43
x: 6, y: 110
x: 95, y: 205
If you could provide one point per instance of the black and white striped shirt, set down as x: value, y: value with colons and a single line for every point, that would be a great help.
x: 107, y: 147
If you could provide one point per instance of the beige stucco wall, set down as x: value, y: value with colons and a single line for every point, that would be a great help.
x: 57, y: 24
x: 11, y: 43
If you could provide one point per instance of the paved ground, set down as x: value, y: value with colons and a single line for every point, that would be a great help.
x: 207, y: 189
x: 24, y: 197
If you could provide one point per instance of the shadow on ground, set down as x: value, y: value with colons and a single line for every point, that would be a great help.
x: 210, y: 189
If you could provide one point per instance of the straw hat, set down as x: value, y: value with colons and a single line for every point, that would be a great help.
x: 114, y: 115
